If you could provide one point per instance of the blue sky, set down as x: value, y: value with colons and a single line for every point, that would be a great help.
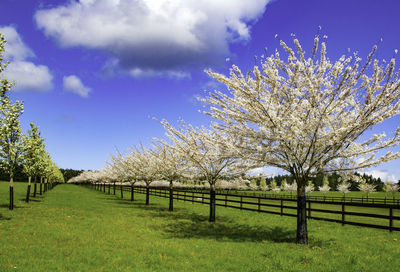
x: 92, y: 73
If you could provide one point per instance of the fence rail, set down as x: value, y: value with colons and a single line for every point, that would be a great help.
x: 379, y: 215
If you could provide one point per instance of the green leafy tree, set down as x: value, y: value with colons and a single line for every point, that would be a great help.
x: 10, y: 130
x: 10, y: 139
x: 33, y: 145
x: 263, y: 184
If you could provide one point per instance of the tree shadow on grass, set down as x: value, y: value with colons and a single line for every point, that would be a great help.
x: 4, y: 218
x: 31, y: 199
x: 192, y: 225
x: 183, y: 223
x: 8, y: 205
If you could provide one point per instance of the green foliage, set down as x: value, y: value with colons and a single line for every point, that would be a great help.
x: 11, y: 145
x: 5, y: 85
x: 333, y: 179
x: 33, y: 147
x: 263, y: 183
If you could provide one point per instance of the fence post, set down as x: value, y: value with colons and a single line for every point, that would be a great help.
x: 259, y: 204
x: 390, y: 219
x: 202, y: 197
x: 281, y: 207
x: 241, y: 202
x: 343, y: 214
x: 226, y: 200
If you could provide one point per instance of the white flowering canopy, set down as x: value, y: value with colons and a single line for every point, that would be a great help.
x: 211, y: 154
x: 307, y: 115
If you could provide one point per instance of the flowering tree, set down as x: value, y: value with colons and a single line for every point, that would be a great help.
x: 391, y: 188
x: 118, y: 170
x: 146, y: 165
x: 367, y: 188
x: 344, y: 187
x: 310, y: 187
x: 209, y: 152
x: 306, y: 115
x: 172, y: 165
x: 325, y: 188
x: 33, y: 148
x: 291, y: 188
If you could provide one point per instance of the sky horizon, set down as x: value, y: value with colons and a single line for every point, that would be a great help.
x: 94, y: 73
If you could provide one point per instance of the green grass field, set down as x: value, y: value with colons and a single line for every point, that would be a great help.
x: 73, y: 228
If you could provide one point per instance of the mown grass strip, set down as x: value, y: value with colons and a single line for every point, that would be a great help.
x: 78, y: 229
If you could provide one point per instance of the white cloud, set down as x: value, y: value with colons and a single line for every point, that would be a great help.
x: 15, y: 48
x: 26, y: 75
x: 383, y: 175
x: 266, y: 171
x: 73, y: 84
x: 138, y: 73
x: 153, y: 35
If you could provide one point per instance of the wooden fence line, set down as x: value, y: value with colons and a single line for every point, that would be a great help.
x: 238, y: 201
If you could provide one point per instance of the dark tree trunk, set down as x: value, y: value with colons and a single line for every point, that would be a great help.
x: 147, y: 195
x: 35, y: 188
x: 132, y: 192
x: 212, y: 205
x: 41, y: 187
x: 109, y: 188
x: 171, y: 197
x: 122, y: 193
x: 114, y: 188
x: 302, y: 234
x: 28, y: 192
x: 11, y: 198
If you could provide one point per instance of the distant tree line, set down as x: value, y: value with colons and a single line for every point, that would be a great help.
x: 20, y: 176
x: 318, y: 180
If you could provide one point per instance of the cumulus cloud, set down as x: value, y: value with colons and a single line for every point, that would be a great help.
x: 15, y: 47
x: 73, y: 84
x: 266, y: 171
x: 153, y: 35
x: 26, y: 75
x: 383, y: 175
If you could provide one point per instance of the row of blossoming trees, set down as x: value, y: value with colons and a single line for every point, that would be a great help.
x: 305, y: 115
x: 17, y: 148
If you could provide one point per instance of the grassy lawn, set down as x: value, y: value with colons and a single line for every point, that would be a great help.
x: 75, y: 228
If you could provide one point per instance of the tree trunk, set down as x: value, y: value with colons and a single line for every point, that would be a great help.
x: 147, y: 195
x: 212, y: 204
x: 11, y: 207
x: 28, y: 191
x: 302, y: 234
x: 114, y: 188
x: 35, y: 188
x: 41, y: 186
x: 122, y: 193
x: 171, y: 197
x: 132, y: 192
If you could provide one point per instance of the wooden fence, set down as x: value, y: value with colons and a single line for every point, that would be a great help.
x: 365, y: 214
